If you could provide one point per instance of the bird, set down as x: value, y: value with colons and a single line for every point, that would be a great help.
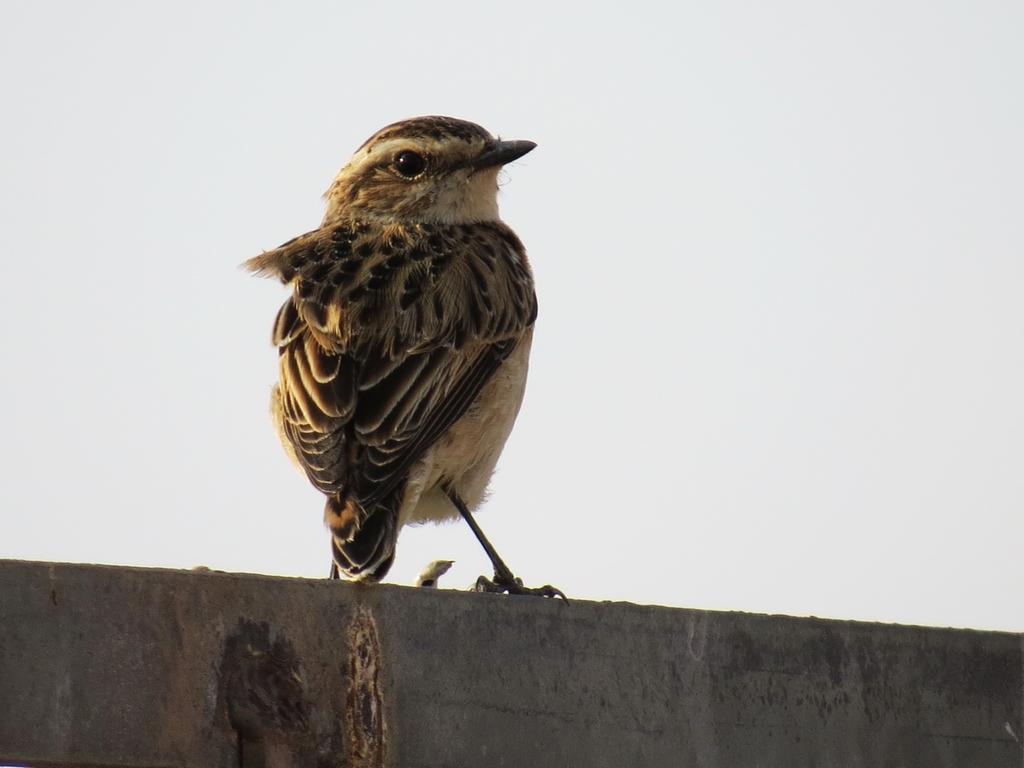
x: 404, y: 345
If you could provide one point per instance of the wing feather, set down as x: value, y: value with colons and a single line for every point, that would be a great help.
x: 389, y: 336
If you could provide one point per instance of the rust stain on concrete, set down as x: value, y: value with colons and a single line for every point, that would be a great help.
x: 364, y: 702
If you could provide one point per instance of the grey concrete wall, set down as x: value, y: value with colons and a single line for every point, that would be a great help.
x: 136, y: 667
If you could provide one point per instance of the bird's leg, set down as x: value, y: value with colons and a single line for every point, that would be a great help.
x: 504, y: 579
x: 335, y: 575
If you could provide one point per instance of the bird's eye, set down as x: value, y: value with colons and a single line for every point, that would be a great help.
x: 410, y: 164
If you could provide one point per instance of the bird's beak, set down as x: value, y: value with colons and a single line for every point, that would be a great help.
x: 501, y: 152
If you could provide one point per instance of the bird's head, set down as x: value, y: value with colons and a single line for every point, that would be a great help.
x: 428, y: 169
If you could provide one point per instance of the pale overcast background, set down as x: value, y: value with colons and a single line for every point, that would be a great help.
x: 779, y: 250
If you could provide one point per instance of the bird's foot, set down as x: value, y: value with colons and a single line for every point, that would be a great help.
x: 514, y: 586
x: 430, y: 575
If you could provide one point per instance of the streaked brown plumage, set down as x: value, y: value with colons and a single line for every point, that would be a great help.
x: 404, y: 345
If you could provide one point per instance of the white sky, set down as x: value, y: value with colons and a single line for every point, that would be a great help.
x: 779, y: 250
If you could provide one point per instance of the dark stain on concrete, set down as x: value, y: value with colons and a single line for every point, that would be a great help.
x: 262, y: 689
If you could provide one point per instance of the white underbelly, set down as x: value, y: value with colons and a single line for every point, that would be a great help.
x: 465, y: 456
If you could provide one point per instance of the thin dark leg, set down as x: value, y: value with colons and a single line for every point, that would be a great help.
x: 504, y: 579
x: 334, y: 571
x: 501, y: 571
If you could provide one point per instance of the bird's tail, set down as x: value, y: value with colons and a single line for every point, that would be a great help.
x: 362, y: 541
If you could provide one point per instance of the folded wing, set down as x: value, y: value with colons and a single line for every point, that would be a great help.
x: 389, y: 335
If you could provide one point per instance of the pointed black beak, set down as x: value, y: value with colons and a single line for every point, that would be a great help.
x: 501, y: 152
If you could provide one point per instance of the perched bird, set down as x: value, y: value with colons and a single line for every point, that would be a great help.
x: 405, y: 343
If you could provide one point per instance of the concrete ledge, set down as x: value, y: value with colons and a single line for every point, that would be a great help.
x: 103, y: 666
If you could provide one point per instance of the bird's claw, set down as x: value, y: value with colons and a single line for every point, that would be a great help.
x: 515, y: 586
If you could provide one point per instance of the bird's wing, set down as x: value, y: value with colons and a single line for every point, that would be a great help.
x: 389, y: 336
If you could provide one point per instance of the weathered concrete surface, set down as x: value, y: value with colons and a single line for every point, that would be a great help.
x: 135, y: 667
